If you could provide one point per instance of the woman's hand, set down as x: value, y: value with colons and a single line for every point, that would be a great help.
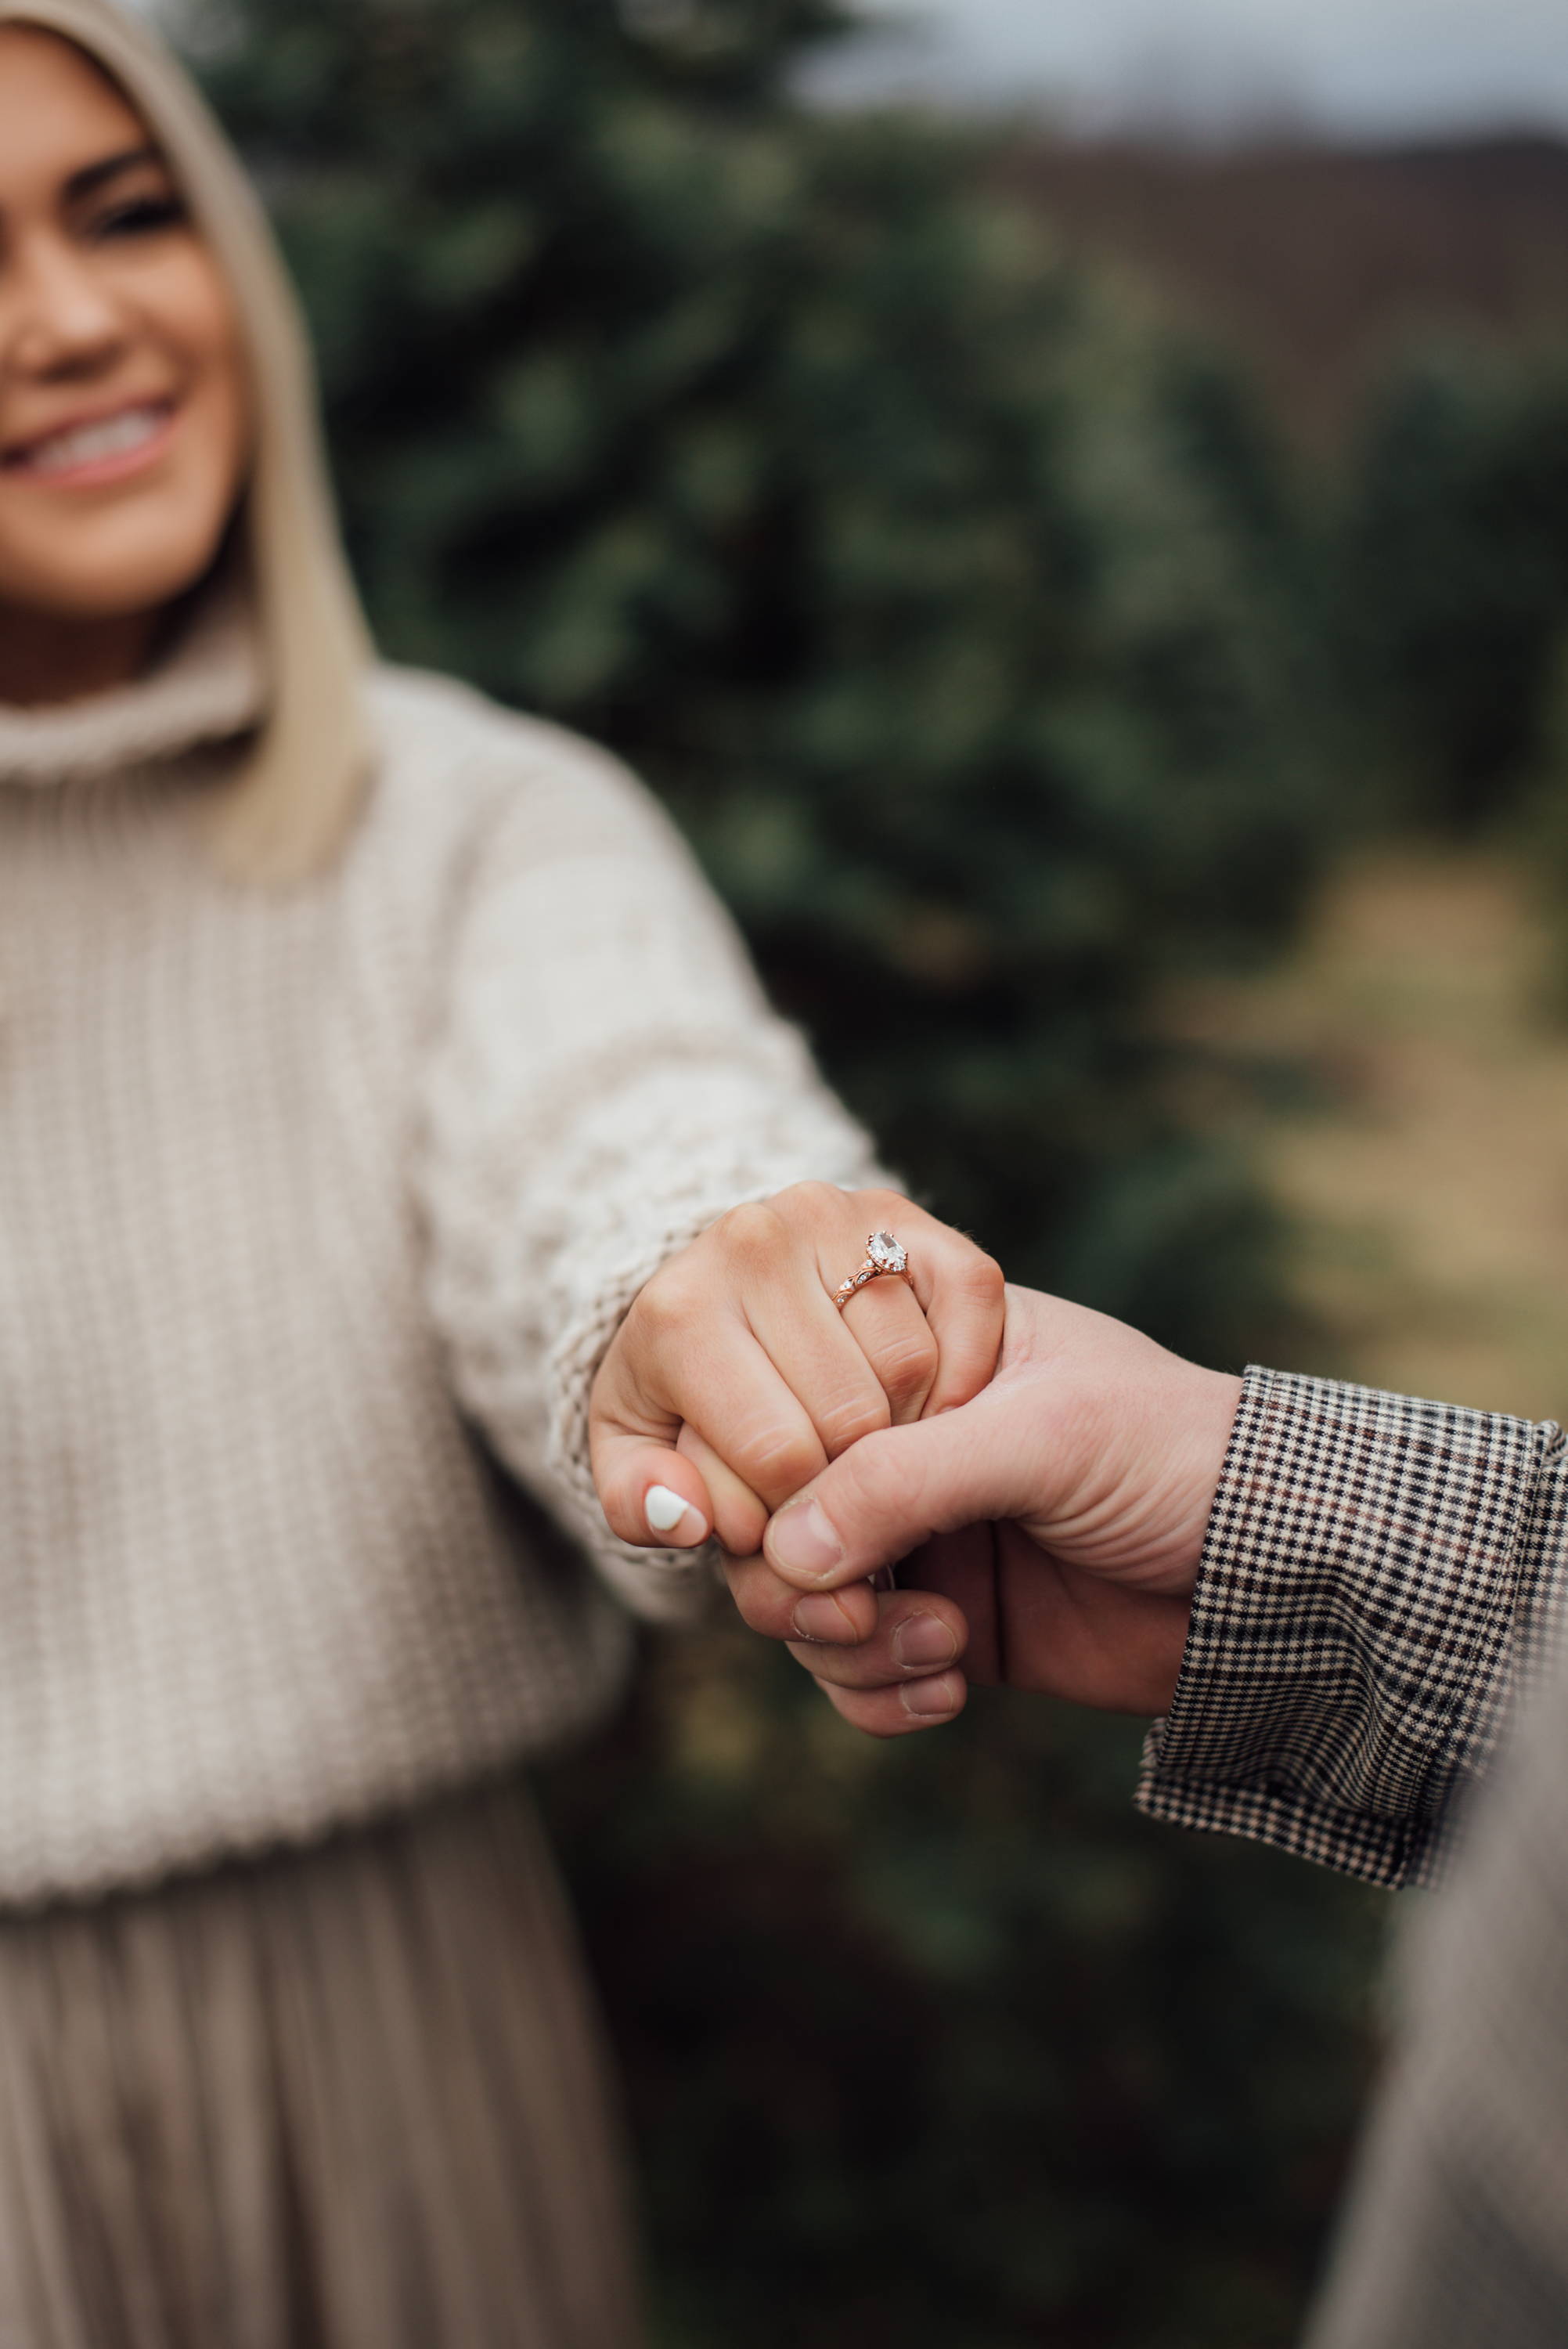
x: 735, y: 1379
x: 1052, y: 1533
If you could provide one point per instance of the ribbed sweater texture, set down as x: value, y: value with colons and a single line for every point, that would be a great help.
x: 318, y: 1208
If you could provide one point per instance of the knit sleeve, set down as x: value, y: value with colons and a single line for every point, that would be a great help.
x: 606, y: 1080
x: 1381, y: 1578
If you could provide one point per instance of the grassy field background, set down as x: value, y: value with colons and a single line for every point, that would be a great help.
x: 1413, y: 1122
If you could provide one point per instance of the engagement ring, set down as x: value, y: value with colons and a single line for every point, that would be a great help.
x: 884, y: 1254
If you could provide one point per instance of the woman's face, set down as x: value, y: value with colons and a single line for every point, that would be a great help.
x: 124, y: 415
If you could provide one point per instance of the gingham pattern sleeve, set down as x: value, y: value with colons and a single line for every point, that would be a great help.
x: 1379, y: 1577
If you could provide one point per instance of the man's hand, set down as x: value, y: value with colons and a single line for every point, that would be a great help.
x: 1053, y: 1527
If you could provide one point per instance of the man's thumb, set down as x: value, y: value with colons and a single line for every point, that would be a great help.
x: 891, y: 1492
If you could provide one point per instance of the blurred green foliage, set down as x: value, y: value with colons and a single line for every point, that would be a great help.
x: 940, y: 2043
x: 1452, y: 580
x: 965, y: 620
x: 946, y: 602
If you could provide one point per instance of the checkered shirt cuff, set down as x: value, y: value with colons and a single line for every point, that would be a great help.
x: 1374, y: 1585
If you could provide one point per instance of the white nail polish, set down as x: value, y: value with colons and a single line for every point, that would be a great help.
x: 665, y: 1509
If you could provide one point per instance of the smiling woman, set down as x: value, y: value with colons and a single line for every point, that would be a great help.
x: 123, y: 400
x: 125, y: 285
x: 124, y: 427
x: 380, y: 1085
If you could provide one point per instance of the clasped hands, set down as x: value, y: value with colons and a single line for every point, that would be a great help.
x: 1042, y: 1474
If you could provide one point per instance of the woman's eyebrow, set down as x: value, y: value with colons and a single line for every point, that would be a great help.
x: 83, y: 182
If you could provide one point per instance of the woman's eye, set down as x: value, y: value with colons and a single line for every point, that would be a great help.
x: 141, y: 218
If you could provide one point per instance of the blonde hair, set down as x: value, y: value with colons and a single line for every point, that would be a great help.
x: 295, y: 796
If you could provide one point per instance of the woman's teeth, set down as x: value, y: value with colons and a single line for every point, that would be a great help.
x: 90, y: 443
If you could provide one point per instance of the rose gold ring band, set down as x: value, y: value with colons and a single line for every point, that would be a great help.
x: 885, y: 1256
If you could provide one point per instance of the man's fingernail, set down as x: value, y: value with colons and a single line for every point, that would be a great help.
x: 823, y: 1619
x: 923, y: 1639
x: 929, y: 1700
x: 666, y: 1510
x: 801, y: 1540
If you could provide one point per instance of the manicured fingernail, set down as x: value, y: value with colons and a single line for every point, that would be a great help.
x: 802, y: 1541
x: 823, y: 1619
x: 666, y: 1510
x: 923, y: 1639
x: 929, y: 1700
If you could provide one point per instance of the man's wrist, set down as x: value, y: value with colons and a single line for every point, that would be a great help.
x: 1352, y: 1627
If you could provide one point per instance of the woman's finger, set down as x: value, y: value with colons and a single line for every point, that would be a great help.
x: 963, y: 1297
x: 708, y: 1374
x: 739, y: 1517
x: 959, y: 1288
x: 651, y: 1496
x: 818, y: 1358
x: 741, y: 1342
x: 885, y: 1321
x: 758, y: 1267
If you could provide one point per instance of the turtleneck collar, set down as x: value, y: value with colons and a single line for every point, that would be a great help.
x: 209, y: 684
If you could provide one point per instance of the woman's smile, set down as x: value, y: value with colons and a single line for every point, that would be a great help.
x: 111, y: 446
x: 125, y: 394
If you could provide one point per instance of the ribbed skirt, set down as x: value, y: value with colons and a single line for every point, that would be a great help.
x: 347, y: 2098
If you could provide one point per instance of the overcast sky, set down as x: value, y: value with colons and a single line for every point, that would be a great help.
x: 1361, y: 67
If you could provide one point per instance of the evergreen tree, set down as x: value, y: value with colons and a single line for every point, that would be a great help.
x: 1454, y: 577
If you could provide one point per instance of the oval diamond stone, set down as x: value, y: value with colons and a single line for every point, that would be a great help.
x: 885, y: 1252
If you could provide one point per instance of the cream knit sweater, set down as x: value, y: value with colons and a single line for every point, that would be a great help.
x: 318, y: 1210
